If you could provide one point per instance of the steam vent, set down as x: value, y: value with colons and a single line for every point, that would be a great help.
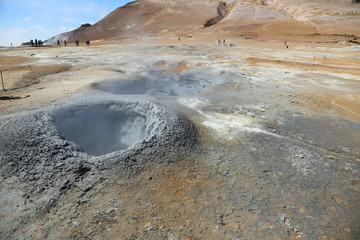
x: 156, y: 82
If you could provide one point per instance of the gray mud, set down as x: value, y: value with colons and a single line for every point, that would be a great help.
x: 65, y: 143
x: 103, y: 129
x: 231, y: 157
x: 156, y: 82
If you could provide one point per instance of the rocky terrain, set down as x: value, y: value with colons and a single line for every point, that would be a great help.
x: 159, y: 138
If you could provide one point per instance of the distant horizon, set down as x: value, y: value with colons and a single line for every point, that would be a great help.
x: 21, y: 20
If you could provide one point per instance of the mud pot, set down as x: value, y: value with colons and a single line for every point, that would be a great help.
x: 155, y: 82
x: 106, y: 128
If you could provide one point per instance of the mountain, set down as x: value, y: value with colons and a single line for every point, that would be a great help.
x: 230, y: 18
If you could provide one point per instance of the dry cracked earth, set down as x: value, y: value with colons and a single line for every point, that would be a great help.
x: 177, y: 141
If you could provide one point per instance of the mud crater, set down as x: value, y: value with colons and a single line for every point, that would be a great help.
x: 97, y: 133
x: 99, y: 128
x: 102, y: 129
x: 155, y: 82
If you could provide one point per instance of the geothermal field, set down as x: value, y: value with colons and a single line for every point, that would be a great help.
x: 165, y: 137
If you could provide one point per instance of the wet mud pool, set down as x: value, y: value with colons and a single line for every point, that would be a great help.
x: 156, y: 82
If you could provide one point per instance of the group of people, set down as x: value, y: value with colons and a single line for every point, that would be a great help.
x: 36, y: 43
x: 77, y: 43
x: 285, y: 44
x: 219, y: 41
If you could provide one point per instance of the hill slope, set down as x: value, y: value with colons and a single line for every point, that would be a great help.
x: 172, y: 18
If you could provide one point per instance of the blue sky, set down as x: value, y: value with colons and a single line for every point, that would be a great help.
x: 22, y: 20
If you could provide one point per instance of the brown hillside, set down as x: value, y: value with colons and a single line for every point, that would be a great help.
x: 273, y: 19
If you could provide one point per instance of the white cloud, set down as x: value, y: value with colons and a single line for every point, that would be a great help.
x: 62, y: 28
x: 27, y: 19
x: 70, y: 19
x: 16, y: 32
x: 42, y: 29
x: 65, y: 29
x: 15, y: 36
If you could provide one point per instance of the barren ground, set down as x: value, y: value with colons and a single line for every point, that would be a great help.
x: 277, y: 155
